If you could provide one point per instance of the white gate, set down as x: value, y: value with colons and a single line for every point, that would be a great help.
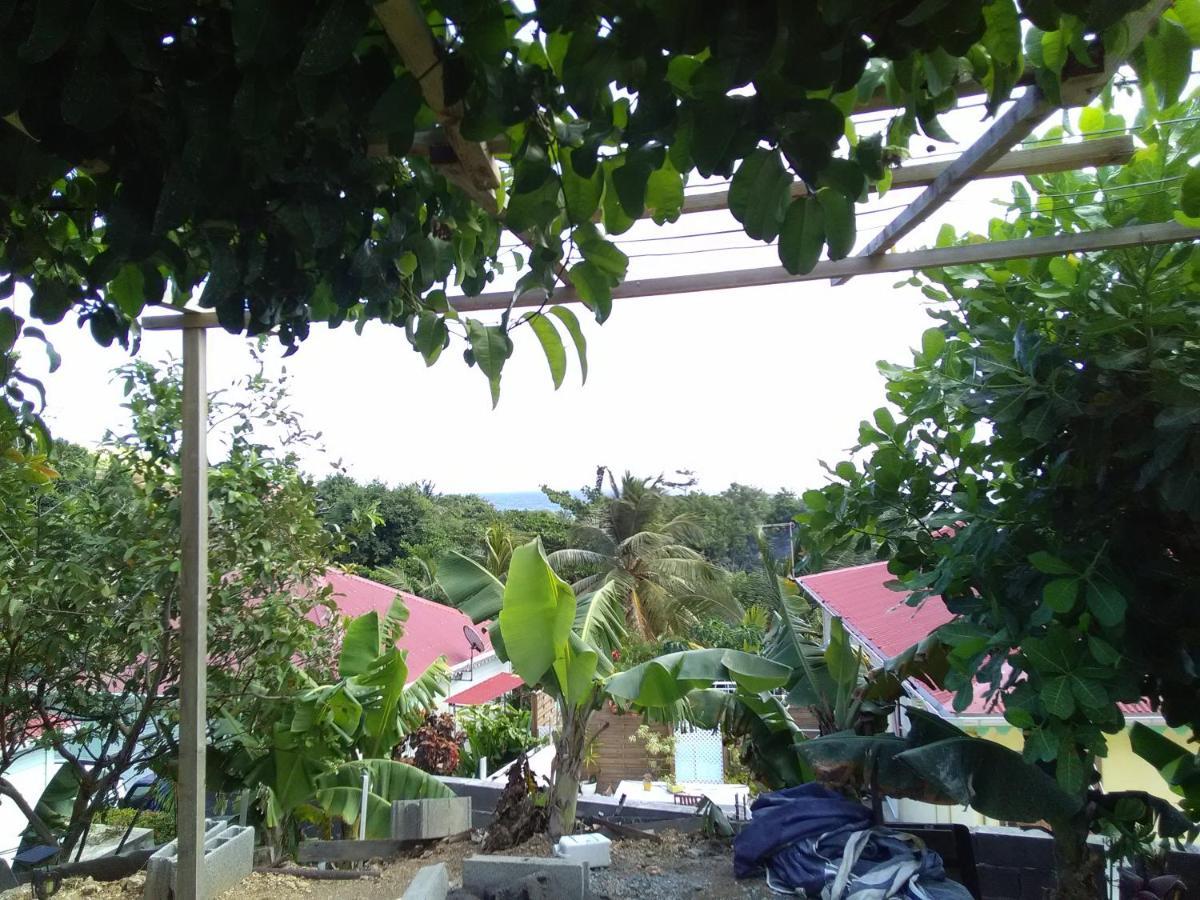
x: 699, y: 756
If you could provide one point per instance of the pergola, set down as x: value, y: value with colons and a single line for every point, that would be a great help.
x: 470, y: 166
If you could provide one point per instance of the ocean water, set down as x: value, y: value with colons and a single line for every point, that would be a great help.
x: 520, y: 500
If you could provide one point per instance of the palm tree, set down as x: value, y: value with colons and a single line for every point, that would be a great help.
x: 666, y: 585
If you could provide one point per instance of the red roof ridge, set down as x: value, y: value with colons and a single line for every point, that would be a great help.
x: 878, y: 562
x: 387, y: 587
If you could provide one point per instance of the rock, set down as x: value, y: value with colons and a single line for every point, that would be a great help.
x: 534, y: 886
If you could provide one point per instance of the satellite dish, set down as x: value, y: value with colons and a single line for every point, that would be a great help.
x: 473, y: 639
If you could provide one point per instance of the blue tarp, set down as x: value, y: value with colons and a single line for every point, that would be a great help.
x: 811, y: 840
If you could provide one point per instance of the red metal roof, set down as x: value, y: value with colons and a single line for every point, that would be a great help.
x: 488, y: 689
x: 432, y: 630
x: 878, y: 618
x: 874, y: 613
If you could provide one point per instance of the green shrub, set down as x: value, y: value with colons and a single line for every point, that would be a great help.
x: 163, y: 823
x: 497, y: 731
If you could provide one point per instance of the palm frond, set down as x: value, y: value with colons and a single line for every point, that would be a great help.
x: 793, y: 635
x: 572, y: 559
x: 685, y: 528
x: 590, y: 583
x: 421, y: 696
x: 600, y: 619
x: 589, y: 537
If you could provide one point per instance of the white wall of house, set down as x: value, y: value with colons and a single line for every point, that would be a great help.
x: 465, y: 675
x: 30, y: 774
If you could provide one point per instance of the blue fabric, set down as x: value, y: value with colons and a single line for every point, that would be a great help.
x: 811, y: 840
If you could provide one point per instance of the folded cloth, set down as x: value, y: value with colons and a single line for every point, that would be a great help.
x: 813, y: 841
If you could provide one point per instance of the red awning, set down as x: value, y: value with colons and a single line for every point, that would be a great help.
x: 488, y: 689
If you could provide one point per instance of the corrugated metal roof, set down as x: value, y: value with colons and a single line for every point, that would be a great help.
x: 886, y: 626
x: 432, y: 630
x: 488, y: 689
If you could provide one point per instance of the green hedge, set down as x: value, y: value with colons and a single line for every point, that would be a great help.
x: 163, y: 823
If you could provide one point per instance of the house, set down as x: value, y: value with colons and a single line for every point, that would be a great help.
x: 882, y: 626
x: 433, y: 630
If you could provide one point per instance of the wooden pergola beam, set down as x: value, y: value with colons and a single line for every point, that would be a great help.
x: 1108, y: 151
x: 960, y: 255
x: 473, y: 168
x: 1012, y: 127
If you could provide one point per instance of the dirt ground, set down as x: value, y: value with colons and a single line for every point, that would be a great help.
x: 682, y: 867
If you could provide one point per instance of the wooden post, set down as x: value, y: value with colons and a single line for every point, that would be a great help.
x: 193, y: 619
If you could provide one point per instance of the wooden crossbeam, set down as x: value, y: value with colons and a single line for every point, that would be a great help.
x: 961, y: 255
x: 1012, y: 127
x: 473, y: 169
x: 1108, y: 151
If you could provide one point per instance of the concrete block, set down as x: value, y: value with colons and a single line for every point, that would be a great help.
x: 566, y: 879
x: 228, y: 858
x: 425, y: 820
x: 139, y: 839
x: 431, y: 883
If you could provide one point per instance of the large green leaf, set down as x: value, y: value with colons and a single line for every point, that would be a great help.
x: 295, y: 774
x: 340, y: 792
x: 802, y: 235
x: 491, y: 347
x: 360, y: 646
x: 56, y: 802
x: 856, y: 760
x: 387, y: 673
x: 469, y: 586
x: 537, y: 615
x: 1178, y: 765
x: 992, y: 779
x: 571, y: 323
x: 758, y: 194
x: 665, y: 680
x: 838, y: 215
x: 552, y: 346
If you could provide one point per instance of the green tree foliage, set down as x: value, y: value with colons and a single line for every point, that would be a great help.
x: 407, y: 529
x: 89, y: 587
x: 284, y: 187
x: 664, y: 583
x: 1037, y: 470
x: 732, y: 519
x: 495, y: 731
x: 306, y: 752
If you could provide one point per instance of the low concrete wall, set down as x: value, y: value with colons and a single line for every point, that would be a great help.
x: 484, y: 795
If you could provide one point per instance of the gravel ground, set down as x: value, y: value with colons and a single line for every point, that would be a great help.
x: 682, y: 867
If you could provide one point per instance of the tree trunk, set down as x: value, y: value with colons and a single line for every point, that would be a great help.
x: 1075, y: 868
x: 568, y: 762
x: 7, y: 789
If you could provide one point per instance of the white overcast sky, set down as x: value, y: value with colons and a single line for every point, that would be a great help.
x: 752, y: 385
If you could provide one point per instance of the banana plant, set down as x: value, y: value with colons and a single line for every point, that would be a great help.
x: 937, y: 762
x: 564, y: 647
x: 321, y: 741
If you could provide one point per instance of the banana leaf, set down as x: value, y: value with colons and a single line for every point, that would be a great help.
x: 668, y: 679
x: 470, y: 587
x: 991, y: 779
x: 339, y: 792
